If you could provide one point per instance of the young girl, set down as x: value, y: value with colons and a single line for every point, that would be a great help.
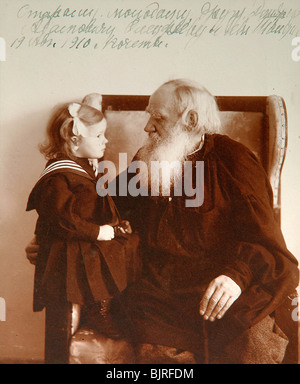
x: 82, y: 257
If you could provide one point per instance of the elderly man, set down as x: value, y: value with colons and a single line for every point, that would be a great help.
x: 213, y: 272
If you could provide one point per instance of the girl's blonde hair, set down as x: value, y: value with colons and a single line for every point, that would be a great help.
x: 59, y: 130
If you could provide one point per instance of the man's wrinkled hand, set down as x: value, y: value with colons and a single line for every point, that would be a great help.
x: 221, y: 293
x: 32, y: 251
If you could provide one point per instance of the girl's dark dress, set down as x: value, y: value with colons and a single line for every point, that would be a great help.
x: 71, y: 263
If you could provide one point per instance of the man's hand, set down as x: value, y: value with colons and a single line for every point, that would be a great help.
x: 32, y: 251
x: 218, y: 298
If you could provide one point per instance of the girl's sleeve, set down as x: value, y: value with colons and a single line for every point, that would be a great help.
x: 57, y: 204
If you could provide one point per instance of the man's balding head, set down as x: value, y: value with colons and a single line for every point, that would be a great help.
x: 193, y: 103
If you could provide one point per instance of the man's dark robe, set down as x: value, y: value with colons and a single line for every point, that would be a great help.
x: 233, y: 233
x: 71, y: 263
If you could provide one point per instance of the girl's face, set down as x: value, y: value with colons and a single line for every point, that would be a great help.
x: 93, y: 145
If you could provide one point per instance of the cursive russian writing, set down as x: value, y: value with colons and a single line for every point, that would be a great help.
x: 152, y: 26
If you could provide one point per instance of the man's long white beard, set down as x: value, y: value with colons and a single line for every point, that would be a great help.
x: 171, y: 150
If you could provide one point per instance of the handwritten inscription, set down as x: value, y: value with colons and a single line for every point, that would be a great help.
x: 150, y: 27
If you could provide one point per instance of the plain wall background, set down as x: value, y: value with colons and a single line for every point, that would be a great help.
x: 33, y: 80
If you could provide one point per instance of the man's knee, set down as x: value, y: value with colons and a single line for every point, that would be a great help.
x: 264, y: 343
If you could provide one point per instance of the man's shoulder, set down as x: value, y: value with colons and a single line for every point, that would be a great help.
x: 224, y: 145
x: 233, y: 153
x: 240, y: 162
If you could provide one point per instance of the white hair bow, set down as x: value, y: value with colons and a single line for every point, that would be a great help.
x: 79, y: 129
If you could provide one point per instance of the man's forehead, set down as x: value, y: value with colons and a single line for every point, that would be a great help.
x: 162, y: 100
x: 156, y: 108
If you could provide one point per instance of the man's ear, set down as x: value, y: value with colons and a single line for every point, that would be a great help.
x: 192, y: 119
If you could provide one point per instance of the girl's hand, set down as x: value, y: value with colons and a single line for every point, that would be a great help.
x: 106, y: 233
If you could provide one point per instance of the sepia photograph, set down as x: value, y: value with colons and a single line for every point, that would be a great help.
x: 150, y: 190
